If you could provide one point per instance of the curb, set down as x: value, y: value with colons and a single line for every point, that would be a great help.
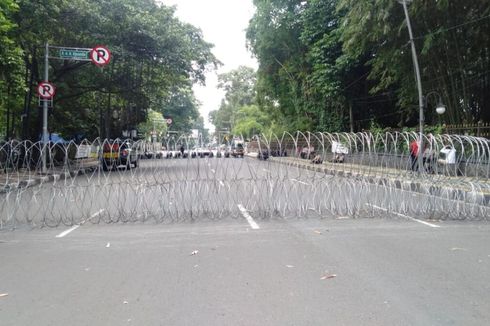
x: 24, y: 184
x: 398, y: 183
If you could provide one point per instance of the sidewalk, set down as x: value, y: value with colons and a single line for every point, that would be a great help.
x: 24, y: 178
x: 455, y: 186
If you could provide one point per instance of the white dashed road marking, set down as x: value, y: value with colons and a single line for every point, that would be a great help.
x: 406, y: 216
x: 249, y: 218
x: 73, y: 228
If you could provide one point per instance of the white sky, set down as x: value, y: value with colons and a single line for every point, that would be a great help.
x: 223, y: 23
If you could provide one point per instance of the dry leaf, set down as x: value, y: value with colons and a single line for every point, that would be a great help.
x: 3, y: 295
x: 290, y: 266
x: 317, y: 232
x: 195, y: 252
x: 326, y: 277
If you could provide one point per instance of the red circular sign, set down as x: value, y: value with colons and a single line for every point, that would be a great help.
x: 46, y: 90
x: 100, y: 55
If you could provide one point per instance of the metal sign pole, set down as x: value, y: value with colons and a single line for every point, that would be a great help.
x: 45, y: 111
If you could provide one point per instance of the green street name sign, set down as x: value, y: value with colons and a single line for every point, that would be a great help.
x: 74, y: 54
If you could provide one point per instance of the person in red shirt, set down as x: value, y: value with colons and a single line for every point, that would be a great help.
x: 414, y: 154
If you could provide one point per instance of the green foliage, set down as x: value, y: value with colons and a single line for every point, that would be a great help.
x: 156, y: 59
x: 320, y: 59
x: 154, y: 123
x: 251, y: 121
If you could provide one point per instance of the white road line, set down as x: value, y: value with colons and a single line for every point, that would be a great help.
x: 73, y: 228
x: 304, y: 183
x: 94, y: 215
x: 249, y: 218
x: 406, y: 216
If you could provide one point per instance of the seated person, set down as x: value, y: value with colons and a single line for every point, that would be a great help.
x: 317, y: 160
x: 338, y: 158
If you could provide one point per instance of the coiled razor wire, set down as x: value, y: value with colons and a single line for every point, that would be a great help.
x: 288, y: 175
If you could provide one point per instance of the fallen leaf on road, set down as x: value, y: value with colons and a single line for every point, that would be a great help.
x: 3, y: 295
x: 195, y: 252
x: 290, y: 266
x: 342, y: 217
x: 318, y: 232
x: 456, y: 248
x: 108, y: 245
x: 125, y: 302
x: 326, y: 277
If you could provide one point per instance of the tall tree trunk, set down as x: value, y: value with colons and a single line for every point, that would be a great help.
x: 29, y: 80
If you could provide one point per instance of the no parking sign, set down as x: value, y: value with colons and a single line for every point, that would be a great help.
x: 100, y: 55
x: 46, y: 90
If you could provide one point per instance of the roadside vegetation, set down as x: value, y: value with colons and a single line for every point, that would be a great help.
x: 156, y: 59
x: 320, y: 60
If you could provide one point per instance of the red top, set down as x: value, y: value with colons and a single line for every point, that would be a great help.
x: 414, y: 148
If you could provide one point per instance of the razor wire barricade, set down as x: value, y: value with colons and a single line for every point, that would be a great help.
x: 289, y: 175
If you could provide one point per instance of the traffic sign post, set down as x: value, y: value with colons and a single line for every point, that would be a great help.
x: 99, y: 55
x: 44, y: 89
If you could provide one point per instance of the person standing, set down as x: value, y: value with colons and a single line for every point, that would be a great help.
x: 414, y: 154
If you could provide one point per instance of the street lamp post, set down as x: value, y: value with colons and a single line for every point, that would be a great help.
x: 419, y: 86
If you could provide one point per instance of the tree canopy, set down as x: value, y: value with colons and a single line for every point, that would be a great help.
x: 155, y: 60
x: 333, y: 64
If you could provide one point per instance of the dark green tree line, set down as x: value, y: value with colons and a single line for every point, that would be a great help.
x: 330, y: 64
x: 156, y: 59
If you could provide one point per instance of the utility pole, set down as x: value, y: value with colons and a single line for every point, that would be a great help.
x: 351, y: 117
x: 419, y: 87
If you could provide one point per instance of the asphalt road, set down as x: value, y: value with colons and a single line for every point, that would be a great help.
x: 239, y: 267
x: 288, y: 272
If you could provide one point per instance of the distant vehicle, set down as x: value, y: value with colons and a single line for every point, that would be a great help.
x: 119, y: 153
x: 202, y: 152
x: 237, y: 148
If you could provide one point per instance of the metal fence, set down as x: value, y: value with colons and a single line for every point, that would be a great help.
x: 480, y: 129
x: 287, y: 175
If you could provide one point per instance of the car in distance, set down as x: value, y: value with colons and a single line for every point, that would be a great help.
x: 238, y: 150
x: 119, y: 153
x: 203, y: 152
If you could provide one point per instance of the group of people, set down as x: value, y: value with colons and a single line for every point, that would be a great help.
x: 429, y: 157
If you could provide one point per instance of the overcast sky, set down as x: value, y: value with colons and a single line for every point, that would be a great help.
x: 223, y: 23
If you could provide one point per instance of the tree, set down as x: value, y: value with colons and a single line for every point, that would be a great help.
x: 154, y: 54
x: 250, y: 121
